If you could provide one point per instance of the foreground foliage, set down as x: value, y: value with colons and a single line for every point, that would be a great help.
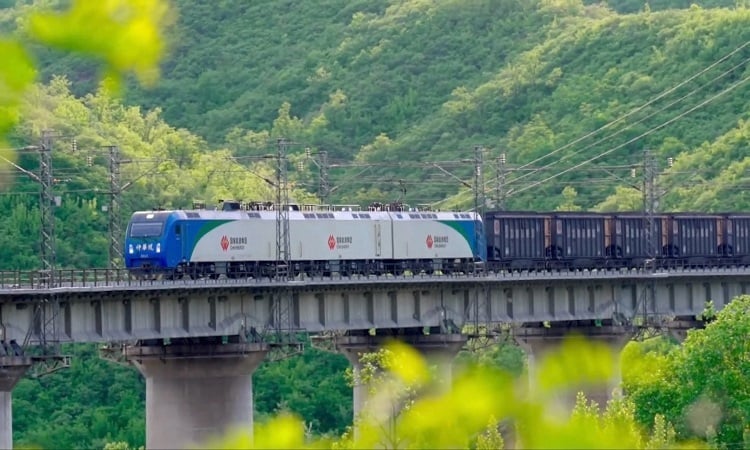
x: 406, y: 409
x: 134, y: 44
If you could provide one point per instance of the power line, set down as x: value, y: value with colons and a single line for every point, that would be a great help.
x: 651, y: 131
x: 642, y: 135
x: 568, y: 156
x: 653, y: 100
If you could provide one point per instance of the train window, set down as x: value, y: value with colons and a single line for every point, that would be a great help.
x: 399, y: 216
x: 414, y: 216
x: 146, y: 229
x: 253, y: 215
x: 364, y: 216
x: 456, y: 216
x: 193, y: 215
x: 177, y: 229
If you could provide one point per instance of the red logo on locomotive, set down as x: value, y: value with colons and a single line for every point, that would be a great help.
x: 331, y: 242
x: 224, y: 243
x: 429, y: 241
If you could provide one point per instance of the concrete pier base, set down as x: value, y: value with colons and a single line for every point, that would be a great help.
x: 196, y: 392
x: 539, y: 342
x: 439, y: 350
x: 678, y: 329
x: 12, y: 368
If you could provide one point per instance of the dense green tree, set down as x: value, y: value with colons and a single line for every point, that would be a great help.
x: 91, y: 403
x: 310, y: 384
x: 701, y: 386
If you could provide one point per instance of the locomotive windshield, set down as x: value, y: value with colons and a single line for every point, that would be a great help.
x: 147, y: 224
x: 146, y: 229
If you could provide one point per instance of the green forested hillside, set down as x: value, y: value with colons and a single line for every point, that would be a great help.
x: 386, y: 82
x: 383, y: 83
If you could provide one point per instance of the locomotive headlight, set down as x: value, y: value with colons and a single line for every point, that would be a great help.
x: 130, y: 249
x: 158, y: 247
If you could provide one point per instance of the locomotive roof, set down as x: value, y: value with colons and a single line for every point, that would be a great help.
x: 305, y: 215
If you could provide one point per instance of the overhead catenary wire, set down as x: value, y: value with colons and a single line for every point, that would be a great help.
x: 641, y: 107
x: 620, y: 131
x: 642, y: 135
x: 458, y: 195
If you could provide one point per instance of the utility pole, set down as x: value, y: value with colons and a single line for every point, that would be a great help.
x: 650, y: 207
x: 46, y: 206
x: 481, y: 291
x: 320, y: 159
x: 325, y: 186
x: 478, y: 178
x: 282, y: 301
x: 114, y: 227
x: 282, y: 212
x: 47, y: 309
x: 500, y: 174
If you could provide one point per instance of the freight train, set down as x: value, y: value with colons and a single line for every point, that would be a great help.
x: 239, y: 240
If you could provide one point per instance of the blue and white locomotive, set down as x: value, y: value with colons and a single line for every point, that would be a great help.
x: 239, y: 240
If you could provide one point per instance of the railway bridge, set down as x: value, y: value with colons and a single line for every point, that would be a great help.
x: 197, y: 342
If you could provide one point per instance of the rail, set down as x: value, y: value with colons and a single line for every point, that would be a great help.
x: 83, y: 279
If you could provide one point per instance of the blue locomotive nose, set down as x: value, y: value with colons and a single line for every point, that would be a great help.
x: 145, y: 247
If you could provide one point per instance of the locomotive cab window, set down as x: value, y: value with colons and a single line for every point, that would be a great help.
x: 146, y: 229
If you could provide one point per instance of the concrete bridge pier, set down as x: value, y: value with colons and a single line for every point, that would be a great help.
x: 196, y: 392
x: 12, y: 368
x: 679, y: 327
x: 438, y: 349
x: 539, y: 342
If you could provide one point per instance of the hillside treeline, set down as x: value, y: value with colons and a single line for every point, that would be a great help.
x: 389, y: 88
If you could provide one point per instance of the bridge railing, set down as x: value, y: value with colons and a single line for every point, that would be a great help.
x: 101, y: 277
x: 40, y: 279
